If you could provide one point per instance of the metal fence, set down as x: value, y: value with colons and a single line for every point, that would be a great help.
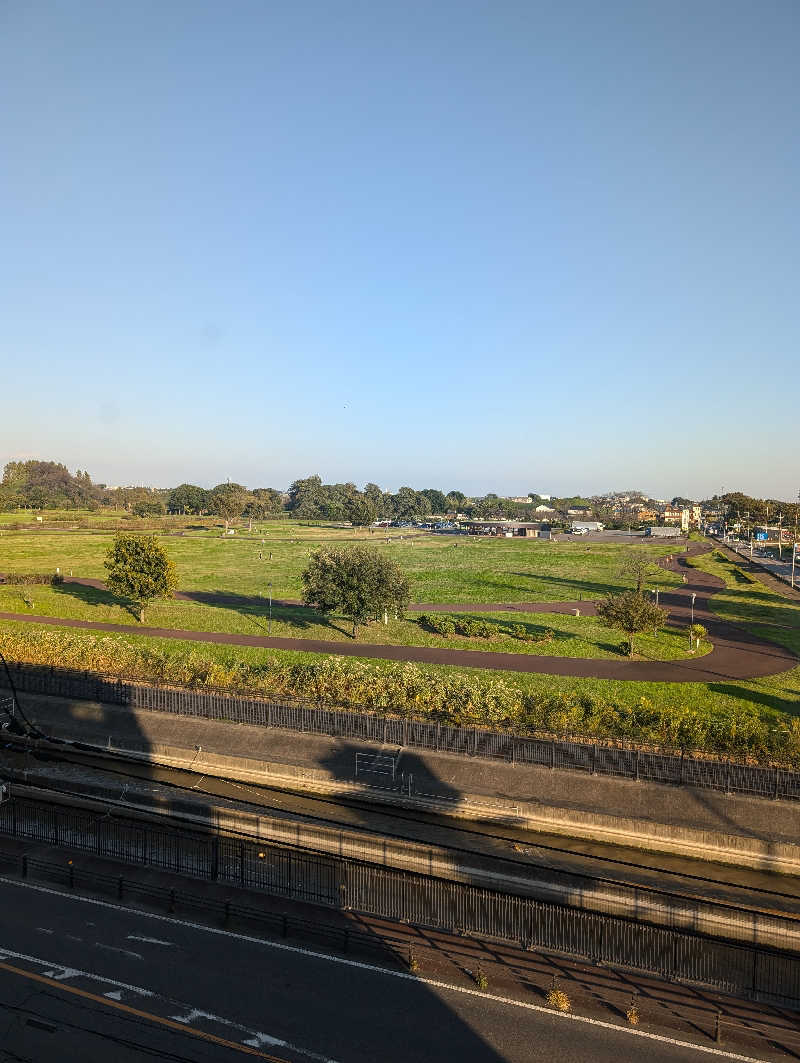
x: 337, y: 882
x: 572, y: 753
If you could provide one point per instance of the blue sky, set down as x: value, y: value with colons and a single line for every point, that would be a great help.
x: 501, y: 246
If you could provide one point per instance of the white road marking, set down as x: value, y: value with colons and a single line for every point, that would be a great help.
x: 384, y: 971
x: 124, y: 952
x: 191, y: 1013
x: 192, y: 1016
x: 150, y: 941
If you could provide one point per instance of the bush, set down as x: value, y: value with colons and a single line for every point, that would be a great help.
x: 475, y: 629
x: 439, y: 623
x: 557, y: 998
x: 19, y: 579
x: 520, y: 631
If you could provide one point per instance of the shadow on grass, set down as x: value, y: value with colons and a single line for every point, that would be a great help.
x: 789, y: 703
x: 584, y: 586
x: 95, y: 596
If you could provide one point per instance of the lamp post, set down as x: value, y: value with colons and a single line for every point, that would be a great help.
x: 795, y: 548
x: 694, y: 595
x: 269, y: 625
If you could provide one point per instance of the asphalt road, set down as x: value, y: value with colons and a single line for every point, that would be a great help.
x: 83, y: 980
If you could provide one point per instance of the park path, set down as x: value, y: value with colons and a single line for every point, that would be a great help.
x: 736, y: 655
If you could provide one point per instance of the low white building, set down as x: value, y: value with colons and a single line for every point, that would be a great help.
x: 583, y: 527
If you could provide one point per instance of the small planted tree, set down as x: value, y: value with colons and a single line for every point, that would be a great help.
x: 696, y: 635
x: 140, y: 570
x: 358, y: 582
x: 638, y: 567
x: 632, y: 613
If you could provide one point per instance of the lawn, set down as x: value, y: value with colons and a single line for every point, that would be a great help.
x: 549, y: 634
x: 441, y: 568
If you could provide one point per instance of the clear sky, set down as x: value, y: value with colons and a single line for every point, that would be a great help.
x: 504, y: 245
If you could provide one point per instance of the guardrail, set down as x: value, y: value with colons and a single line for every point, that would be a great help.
x: 420, y: 900
x: 586, y: 753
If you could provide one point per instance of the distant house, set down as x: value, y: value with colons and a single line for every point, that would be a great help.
x: 582, y: 527
x: 670, y: 514
x: 524, y: 500
x: 664, y: 532
x: 646, y: 515
x: 579, y: 513
x: 544, y: 509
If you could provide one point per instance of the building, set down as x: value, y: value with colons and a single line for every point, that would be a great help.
x: 508, y: 528
x: 646, y: 516
x: 670, y: 532
x: 582, y: 527
x: 579, y: 513
x: 544, y: 509
x: 521, y: 500
x: 671, y: 514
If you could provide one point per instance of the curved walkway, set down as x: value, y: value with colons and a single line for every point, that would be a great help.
x: 736, y: 654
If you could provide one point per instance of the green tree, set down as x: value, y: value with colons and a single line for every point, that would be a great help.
x: 153, y: 508
x: 638, y: 567
x: 359, y: 582
x: 632, y: 613
x: 140, y: 570
x: 228, y: 501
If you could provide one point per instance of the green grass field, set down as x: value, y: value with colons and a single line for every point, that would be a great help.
x: 441, y: 568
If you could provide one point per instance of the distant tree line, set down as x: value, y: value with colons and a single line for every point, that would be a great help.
x: 50, y: 485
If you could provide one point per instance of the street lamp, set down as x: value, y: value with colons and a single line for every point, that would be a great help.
x: 694, y: 595
x: 269, y: 626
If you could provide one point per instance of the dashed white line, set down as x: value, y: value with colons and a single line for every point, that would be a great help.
x: 383, y: 971
x: 150, y: 941
x: 124, y: 952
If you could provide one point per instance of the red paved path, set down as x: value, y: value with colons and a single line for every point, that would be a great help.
x: 736, y: 654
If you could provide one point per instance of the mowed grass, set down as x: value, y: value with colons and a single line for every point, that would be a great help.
x: 461, y: 569
x: 550, y: 634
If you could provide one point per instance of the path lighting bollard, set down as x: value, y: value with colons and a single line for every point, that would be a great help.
x: 269, y: 626
x: 694, y: 595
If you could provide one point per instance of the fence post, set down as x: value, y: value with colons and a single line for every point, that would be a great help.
x: 680, y: 775
x: 728, y: 776
x: 637, y: 765
x: 215, y: 858
x: 776, y: 788
x: 405, y: 732
x: 594, y: 759
x: 552, y: 754
x: 475, y: 742
x: 438, y: 736
x: 718, y: 1028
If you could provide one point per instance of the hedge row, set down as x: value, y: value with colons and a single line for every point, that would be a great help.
x: 27, y: 578
x: 469, y: 699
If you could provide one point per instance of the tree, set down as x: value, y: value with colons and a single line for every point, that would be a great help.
x: 436, y: 499
x: 188, y: 498
x: 638, y: 567
x: 154, y: 508
x: 360, y: 511
x: 359, y: 582
x: 140, y: 570
x: 632, y: 613
x: 228, y: 500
